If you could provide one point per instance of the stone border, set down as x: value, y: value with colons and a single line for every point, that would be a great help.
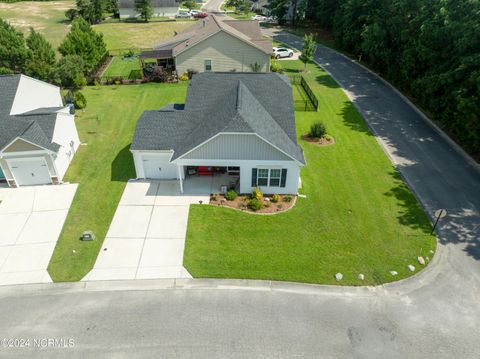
x: 256, y: 213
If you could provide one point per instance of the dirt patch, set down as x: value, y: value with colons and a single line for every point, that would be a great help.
x: 269, y: 207
x: 322, y: 141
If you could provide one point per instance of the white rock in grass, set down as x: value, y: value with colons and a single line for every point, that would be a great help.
x: 338, y: 276
x: 421, y: 260
x: 427, y: 259
x: 411, y: 268
x: 431, y: 251
x: 361, y: 277
x: 394, y: 273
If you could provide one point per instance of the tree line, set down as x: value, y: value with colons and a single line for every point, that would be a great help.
x: 428, y: 48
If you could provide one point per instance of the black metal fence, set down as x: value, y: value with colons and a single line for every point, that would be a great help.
x: 309, y: 104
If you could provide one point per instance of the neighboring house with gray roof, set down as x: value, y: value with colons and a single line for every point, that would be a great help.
x: 161, y: 8
x: 239, y: 125
x: 38, y: 137
x: 214, y: 45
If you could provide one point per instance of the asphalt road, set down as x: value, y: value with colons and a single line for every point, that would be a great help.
x: 434, y: 314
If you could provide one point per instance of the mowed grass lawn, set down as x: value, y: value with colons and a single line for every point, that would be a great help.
x: 358, y: 216
x: 128, y: 68
x: 48, y: 17
x: 102, y: 166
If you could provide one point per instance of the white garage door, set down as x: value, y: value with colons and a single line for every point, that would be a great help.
x: 30, y: 172
x: 158, y: 166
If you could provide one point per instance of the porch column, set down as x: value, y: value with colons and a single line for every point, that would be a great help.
x: 179, y: 171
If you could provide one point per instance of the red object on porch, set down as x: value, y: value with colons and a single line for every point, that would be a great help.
x: 204, y: 171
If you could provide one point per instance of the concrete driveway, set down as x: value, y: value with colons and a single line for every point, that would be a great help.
x: 31, y: 219
x: 146, y: 238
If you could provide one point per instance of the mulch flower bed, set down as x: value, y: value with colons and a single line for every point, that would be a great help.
x: 268, y: 207
x: 323, y: 141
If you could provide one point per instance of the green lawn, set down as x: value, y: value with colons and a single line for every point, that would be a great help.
x: 48, y: 18
x: 102, y: 166
x: 242, y: 16
x: 139, y: 35
x: 358, y: 217
x: 128, y: 68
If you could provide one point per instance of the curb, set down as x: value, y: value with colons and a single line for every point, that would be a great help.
x: 398, y: 288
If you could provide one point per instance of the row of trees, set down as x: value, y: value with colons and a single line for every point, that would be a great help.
x: 428, y: 48
x: 93, y: 11
x: 82, y: 51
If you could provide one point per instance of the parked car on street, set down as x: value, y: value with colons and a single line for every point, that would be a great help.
x: 200, y: 15
x: 259, y: 18
x: 279, y: 52
x: 193, y: 12
x: 183, y: 15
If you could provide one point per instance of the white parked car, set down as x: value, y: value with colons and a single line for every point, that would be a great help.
x: 193, y: 12
x: 259, y: 18
x: 279, y: 52
x: 183, y: 15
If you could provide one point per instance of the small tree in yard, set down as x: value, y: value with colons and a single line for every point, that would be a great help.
x: 70, y: 71
x: 41, y: 60
x: 144, y: 8
x: 309, y: 47
x: 189, y: 4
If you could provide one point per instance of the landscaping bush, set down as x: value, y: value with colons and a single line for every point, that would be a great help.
x: 257, y: 194
x: 191, y: 72
x: 79, y: 100
x: 254, y: 204
x: 275, y: 198
x: 231, y: 195
x: 318, y: 130
x: 214, y: 196
x: 287, y: 199
x: 275, y: 66
x: 184, y: 77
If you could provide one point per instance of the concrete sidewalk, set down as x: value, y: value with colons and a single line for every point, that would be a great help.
x: 146, y: 238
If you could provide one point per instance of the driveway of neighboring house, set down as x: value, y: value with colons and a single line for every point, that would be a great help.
x: 31, y: 219
x: 146, y: 238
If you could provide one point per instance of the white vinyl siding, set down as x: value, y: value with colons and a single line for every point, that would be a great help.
x: 237, y: 147
x: 226, y: 52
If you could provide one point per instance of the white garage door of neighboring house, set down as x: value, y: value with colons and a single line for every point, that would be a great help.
x: 30, y: 172
x: 157, y: 166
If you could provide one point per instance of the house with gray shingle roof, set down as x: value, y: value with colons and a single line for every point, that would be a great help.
x: 38, y: 137
x: 161, y: 8
x: 213, y: 45
x: 237, y: 125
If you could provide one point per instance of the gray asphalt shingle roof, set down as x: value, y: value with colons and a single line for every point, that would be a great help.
x: 260, y: 103
x: 35, y: 126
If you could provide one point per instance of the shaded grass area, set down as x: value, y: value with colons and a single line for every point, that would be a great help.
x: 102, y: 166
x: 128, y: 68
x: 358, y: 217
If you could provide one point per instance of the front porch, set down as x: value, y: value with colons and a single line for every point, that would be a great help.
x: 201, y: 180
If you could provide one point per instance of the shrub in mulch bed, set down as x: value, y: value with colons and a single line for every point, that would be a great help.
x: 245, y: 203
x: 320, y: 141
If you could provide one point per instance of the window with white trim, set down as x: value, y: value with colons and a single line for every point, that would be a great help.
x: 274, y: 180
x: 208, y: 65
x: 262, y: 177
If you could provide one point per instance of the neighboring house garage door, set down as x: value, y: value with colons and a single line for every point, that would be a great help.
x: 158, y: 166
x: 30, y: 172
